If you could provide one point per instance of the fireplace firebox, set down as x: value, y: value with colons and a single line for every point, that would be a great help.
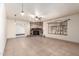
x: 36, y: 31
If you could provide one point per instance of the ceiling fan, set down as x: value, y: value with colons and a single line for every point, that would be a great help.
x: 36, y: 17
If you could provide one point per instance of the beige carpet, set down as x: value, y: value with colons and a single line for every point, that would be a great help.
x: 40, y: 46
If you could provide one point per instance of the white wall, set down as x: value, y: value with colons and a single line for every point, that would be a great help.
x: 2, y: 28
x: 12, y: 29
x: 73, y: 29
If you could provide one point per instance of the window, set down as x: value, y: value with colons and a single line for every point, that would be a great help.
x: 58, y: 28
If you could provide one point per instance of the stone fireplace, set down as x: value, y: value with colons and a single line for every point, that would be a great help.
x: 36, y: 28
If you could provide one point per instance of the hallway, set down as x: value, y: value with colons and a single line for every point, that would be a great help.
x: 40, y: 46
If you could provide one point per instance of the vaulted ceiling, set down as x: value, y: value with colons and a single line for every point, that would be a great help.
x: 46, y: 10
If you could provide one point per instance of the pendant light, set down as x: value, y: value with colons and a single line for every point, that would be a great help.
x: 22, y: 12
x: 15, y: 18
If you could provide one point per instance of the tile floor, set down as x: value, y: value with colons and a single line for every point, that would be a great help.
x: 40, y: 46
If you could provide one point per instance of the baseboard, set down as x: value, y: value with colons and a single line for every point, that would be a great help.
x: 5, y: 46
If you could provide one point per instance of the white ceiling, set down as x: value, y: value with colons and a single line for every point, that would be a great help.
x: 47, y: 10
